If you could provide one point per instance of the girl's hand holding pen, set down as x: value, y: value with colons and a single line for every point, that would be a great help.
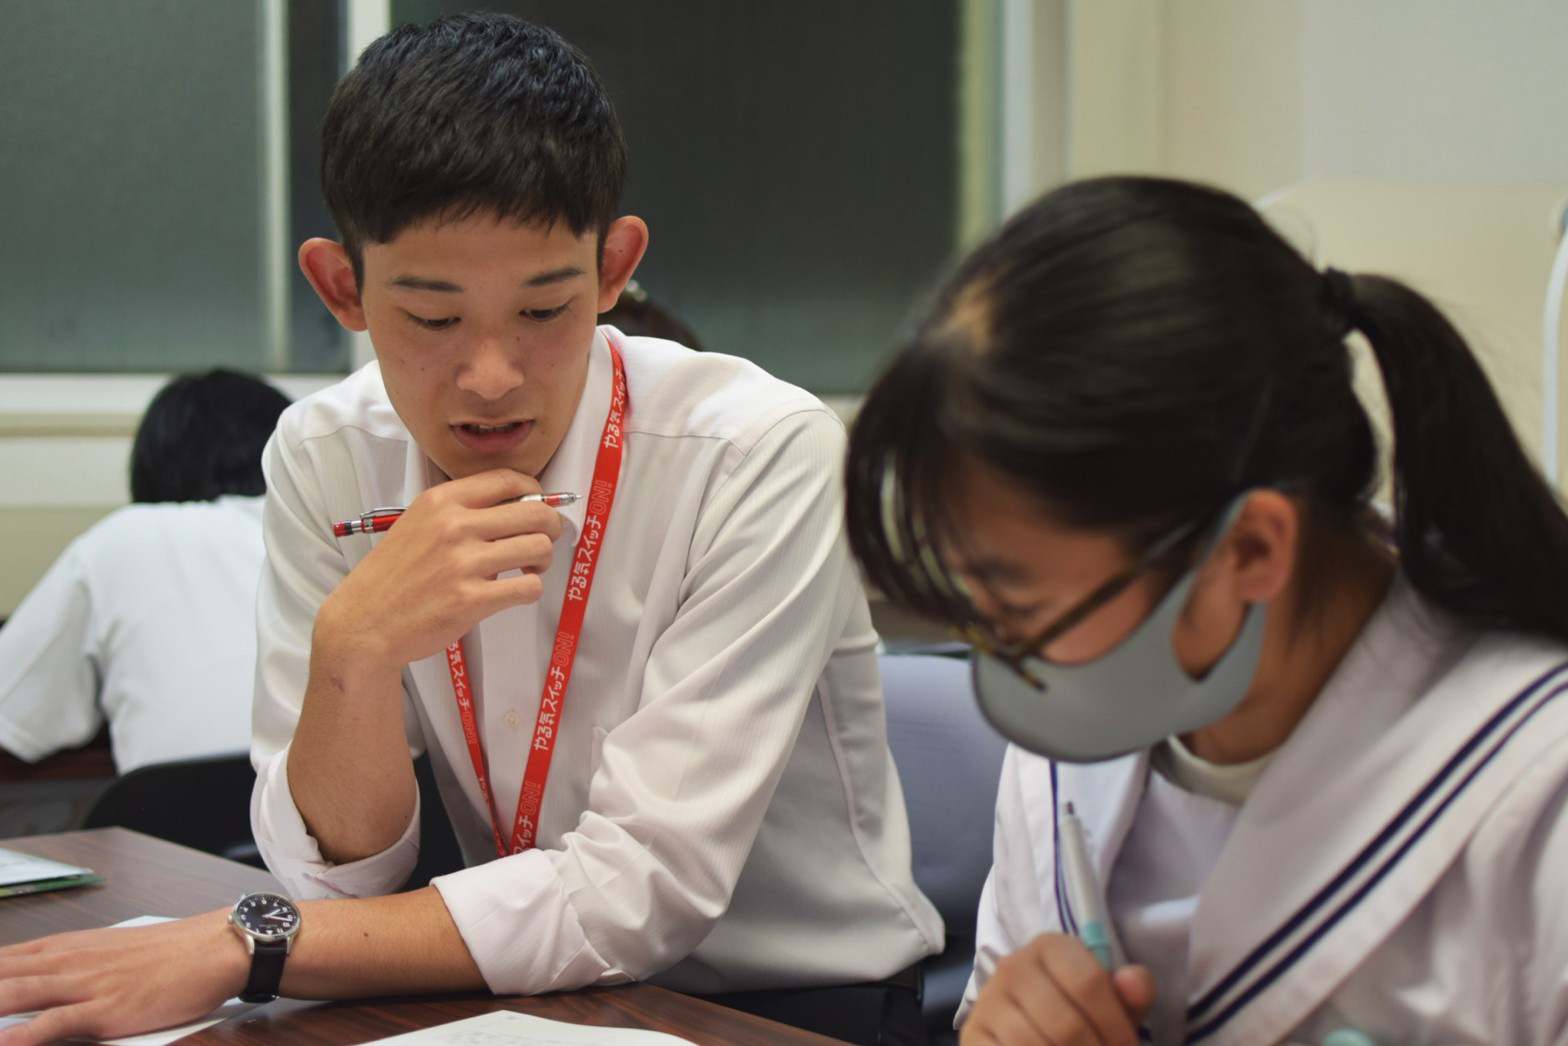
x: 437, y: 574
x: 1054, y: 990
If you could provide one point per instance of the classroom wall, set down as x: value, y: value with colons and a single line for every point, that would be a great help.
x: 1255, y: 96
x: 1422, y: 138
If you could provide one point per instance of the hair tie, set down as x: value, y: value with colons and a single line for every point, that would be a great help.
x: 1340, y: 291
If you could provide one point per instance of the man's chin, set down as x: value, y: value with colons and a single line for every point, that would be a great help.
x: 460, y: 466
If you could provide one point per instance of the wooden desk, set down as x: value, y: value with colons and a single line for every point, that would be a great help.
x: 140, y: 872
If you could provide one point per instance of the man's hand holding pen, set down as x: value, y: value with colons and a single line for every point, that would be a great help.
x: 464, y: 550
x: 437, y: 574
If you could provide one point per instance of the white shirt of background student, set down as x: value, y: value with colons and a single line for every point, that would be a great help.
x: 147, y: 622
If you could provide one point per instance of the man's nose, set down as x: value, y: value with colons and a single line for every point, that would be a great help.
x: 493, y: 367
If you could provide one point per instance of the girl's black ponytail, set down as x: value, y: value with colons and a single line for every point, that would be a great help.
x: 1480, y: 532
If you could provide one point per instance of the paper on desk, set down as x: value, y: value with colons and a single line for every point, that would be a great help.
x: 505, y: 1028
x: 26, y: 873
x: 156, y: 1038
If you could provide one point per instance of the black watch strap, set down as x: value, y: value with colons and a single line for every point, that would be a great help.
x: 266, y: 971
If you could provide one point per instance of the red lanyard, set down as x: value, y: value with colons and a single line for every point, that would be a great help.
x: 606, y: 473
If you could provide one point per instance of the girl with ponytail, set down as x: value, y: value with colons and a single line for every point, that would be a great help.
x: 1315, y: 750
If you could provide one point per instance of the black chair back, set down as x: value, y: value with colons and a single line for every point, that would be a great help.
x: 200, y: 803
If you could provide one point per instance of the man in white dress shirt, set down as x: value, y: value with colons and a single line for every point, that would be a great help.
x: 653, y: 712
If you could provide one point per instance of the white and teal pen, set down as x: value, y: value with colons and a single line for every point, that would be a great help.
x: 1084, y: 896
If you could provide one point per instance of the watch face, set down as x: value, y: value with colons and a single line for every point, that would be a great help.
x: 266, y: 916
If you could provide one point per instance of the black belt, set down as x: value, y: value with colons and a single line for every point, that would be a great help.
x: 911, y: 977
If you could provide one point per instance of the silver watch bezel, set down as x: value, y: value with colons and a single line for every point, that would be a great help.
x: 254, y: 935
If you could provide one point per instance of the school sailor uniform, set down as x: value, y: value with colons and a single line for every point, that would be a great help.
x: 722, y: 812
x: 1398, y: 868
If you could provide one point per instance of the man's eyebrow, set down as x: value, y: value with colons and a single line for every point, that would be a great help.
x: 544, y: 279
x: 419, y: 283
x: 561, y: 275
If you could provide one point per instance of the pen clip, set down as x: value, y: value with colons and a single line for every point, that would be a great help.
x: 369, y: 518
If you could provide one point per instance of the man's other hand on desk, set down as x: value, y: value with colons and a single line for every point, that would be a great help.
x: 120, y: 981
x: 126, y: 980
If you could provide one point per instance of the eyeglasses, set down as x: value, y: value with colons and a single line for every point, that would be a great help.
x: 1016, y: 653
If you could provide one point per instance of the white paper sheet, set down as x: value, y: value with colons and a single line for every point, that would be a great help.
x: 505, y: 1028
x: 18, y: 867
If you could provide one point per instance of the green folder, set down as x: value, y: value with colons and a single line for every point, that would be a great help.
x: 24, y: 873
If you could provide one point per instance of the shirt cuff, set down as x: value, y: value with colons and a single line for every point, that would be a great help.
x: 293, y: 856
x: 517, y: 920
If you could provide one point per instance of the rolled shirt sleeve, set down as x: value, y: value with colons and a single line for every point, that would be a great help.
x: 303, y: 565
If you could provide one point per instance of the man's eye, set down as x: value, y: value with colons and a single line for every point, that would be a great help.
x: 440, y: 324
x: 543, y: 315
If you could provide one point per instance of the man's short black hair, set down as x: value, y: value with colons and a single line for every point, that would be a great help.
x: 472, y: 113
x: 202, y: 436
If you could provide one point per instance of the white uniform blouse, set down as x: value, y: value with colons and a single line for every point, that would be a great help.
x: 1398, y: 870
x: 722, y: 812
x: 146, y: 622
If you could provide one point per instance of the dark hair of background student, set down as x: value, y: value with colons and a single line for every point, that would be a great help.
x: 477, y: 112
x: 202, y: 437
x: 637, y: 314
x: 1135, y: 352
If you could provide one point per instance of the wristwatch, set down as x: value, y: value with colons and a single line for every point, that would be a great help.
x: 268, y: 923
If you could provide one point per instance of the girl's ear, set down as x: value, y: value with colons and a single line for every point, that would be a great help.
x: 1260, y: 551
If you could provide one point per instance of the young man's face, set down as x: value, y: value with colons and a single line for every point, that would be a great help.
x: 483, y: 329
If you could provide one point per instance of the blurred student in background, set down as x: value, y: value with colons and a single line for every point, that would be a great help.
x: 637, y: 314
x: 1321, y: 757
x: 147, y: 621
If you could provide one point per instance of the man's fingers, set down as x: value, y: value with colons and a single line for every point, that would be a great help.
x: 513, y: 518
x: 530, y: 553
x: 49, y: 1026
x: 483, y: 489
x: 511, y: 591
x: 26, y: 994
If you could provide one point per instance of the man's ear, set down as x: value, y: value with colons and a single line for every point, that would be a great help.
x: 1261, y: 547
x: 327, y: 266
x: 624, y: 244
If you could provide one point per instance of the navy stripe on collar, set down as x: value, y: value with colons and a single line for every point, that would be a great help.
x: 1536, y: 692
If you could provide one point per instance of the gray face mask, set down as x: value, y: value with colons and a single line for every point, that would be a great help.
x: 1126, y: 700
